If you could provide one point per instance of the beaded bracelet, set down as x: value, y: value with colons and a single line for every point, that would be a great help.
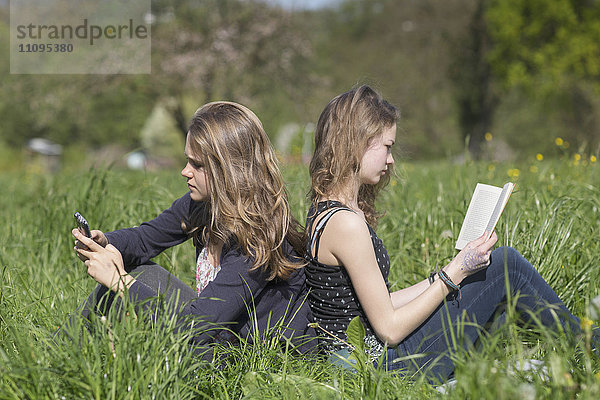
x: 446, y: 279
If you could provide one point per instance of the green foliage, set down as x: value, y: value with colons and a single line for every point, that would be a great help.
x: 538, y: 44
x: 356, y: 335
x: 546, y: 60
x: 90, y: 109
x: 286, y: 386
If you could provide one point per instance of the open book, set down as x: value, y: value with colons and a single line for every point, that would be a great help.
x: 484, y: 212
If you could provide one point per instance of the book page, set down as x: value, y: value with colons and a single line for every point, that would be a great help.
x: 482, y: 206
x: 502, y: 200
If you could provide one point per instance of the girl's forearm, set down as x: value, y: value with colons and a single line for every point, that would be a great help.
x: 410, y: 316
x: 406, y: 295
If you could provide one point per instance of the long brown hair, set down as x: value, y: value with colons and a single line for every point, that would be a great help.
x: 248, y: 202
x: 342, y: 136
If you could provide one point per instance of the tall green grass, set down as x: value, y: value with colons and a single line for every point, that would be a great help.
x: 552, y: 219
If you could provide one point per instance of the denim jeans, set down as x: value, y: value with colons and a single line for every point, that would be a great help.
x: 483, y: 295
x: 101, y: 300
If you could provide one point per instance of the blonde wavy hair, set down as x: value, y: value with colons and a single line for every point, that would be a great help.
x: 344, y: 130
x: 248, y: 201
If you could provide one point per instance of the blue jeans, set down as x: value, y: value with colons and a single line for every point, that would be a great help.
x: 483, y: 295
x: 101, y: 300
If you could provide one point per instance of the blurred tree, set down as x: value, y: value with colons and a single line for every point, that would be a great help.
x: 549, y: 51
x: 89, y: 109
x: 542, y: 55
x: 401, y: 48
x: 538, y: 44
x: 245, y: 51
x: 473, y: 79
x: 228, y: 49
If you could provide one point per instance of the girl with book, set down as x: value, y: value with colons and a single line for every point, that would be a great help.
x: 348, y: 265
x: 249, y: 277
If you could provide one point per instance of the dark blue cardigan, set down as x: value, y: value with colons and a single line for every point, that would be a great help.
x: 226, y: 300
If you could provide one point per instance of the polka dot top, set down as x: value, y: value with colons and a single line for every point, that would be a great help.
x: 332, y: 298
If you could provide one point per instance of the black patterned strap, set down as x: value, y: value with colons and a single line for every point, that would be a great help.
x: 315, y: 238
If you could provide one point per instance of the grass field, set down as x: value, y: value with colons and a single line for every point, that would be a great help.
x: 552, y: 219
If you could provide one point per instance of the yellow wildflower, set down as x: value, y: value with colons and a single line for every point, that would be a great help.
x: 393, y: 182
x: 488, y: 136
x: 577, y: 156
x: 593, y: 159
x: 586, y: 323
x: 559, y: 141
x: 539, y: 156
x: 514, y: 172
x: 491, y: 167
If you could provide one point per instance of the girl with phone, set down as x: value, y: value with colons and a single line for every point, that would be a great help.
x: 348, y: 265
x: 247, y: 241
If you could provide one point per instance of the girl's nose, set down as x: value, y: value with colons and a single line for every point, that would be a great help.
x: 186, y: 171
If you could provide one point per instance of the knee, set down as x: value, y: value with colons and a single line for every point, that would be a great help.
x: 508, y: 255
x: 510, y: 260
x: 503, y: 259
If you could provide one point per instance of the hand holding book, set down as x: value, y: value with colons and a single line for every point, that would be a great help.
x: 484, y: 211
x: 474, y: 257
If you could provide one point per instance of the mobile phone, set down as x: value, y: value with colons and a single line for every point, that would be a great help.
x: 83, y: 225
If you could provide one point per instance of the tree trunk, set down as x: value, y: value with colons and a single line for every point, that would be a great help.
x: 476, y: 99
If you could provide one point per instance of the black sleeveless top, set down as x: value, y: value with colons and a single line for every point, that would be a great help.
x: 331, y: 294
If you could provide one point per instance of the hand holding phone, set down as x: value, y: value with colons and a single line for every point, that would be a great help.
x: 84, y: 228
x: 83, y: 225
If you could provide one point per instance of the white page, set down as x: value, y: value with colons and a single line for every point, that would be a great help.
x: 502, y: 200
x: 481, y: 208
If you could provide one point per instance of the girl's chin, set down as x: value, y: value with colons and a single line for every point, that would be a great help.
x: 194, y: 195
x: 374, y: 181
